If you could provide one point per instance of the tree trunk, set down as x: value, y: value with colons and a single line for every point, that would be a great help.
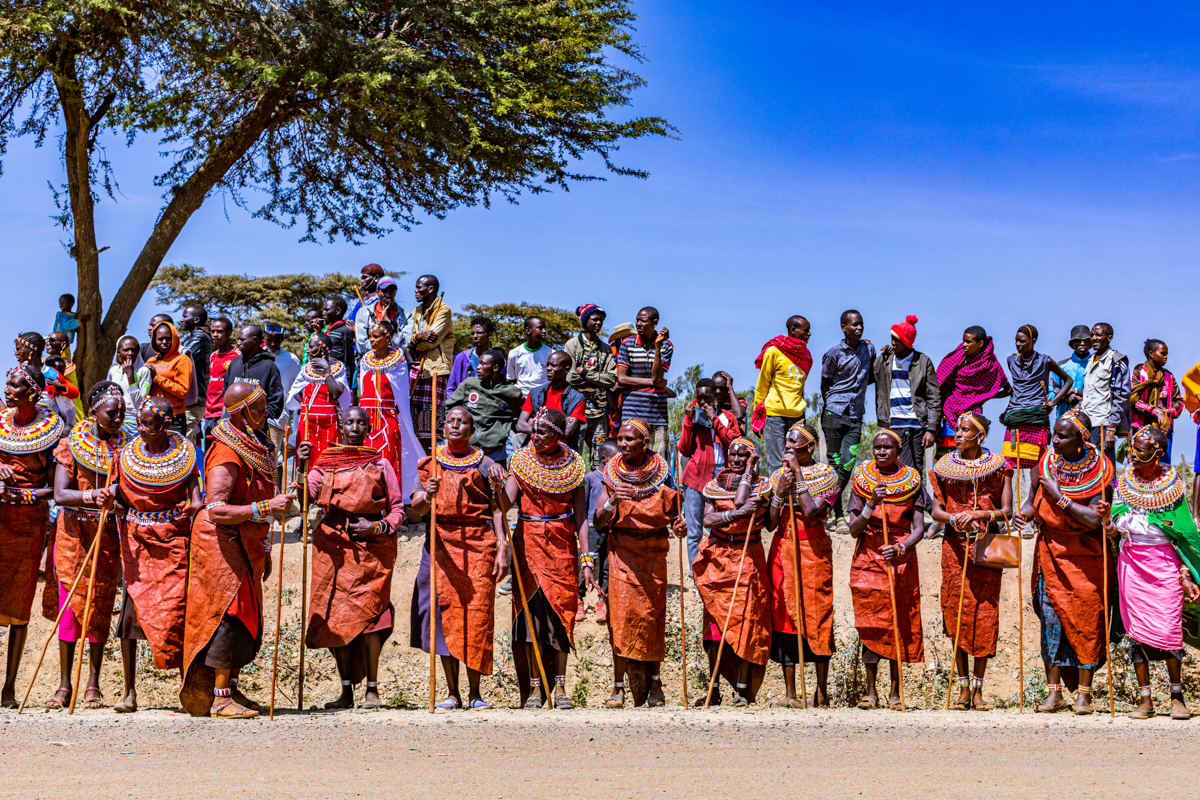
x: 93, y: 347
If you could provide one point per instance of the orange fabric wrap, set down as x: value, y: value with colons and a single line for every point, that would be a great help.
x: 22, y: 537
x: 715, y: 571
x: 638, y: 543
x: 869, y: 587
x: 816, y: 586
x: 224, y: 556
x: 547, y: 553
x: 466, y: 556
x: 1071, y: 558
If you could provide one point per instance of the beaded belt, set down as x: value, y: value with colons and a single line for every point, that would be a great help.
x: 153, y: 517
x: 555, y: 518
x: 89, y: 514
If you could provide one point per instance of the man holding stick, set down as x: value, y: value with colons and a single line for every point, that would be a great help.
x: 432, y: 354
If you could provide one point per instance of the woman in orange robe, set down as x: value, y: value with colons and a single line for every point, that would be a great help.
x: 734, y: 510
x: 84, y: 459
x: 158, y: 481
x: 885, y: 486
x: 354, y: 555
x: 972, y: 489
x: 1067, y: 579
x: 546, y: 484
x: 472, y: 554
x: 231, y: 557
x: 639, y: 512
x: 807, y: 489
x: 28, y: 434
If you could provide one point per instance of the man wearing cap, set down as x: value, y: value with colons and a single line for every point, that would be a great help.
x: 1081, y: 346
x: 593, y: 373
x: 907, y: 396
x: 378, y: 302
x: 1106, y: 389
x: 197, y: 343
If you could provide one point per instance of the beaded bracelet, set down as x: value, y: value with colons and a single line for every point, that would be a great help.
x: 587, y: 560
x: 87, y: 497
x: 1063, y: 502
x: 261, y: 511
x: 215, y: 504
x: 777, y: 501
x: 28, y: 496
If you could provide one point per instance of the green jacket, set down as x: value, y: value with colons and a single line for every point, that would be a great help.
x: 600, y: 373
x: 495, y: 410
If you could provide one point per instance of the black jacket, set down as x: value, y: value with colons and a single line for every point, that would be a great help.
x: 341, y: 347
x: 260, y: 369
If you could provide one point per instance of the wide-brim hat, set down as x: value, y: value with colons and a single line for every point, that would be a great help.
x: 1080, y: 332
x: 621, y: 331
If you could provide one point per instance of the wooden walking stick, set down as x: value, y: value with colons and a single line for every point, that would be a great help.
x: 1020, y: 580
x: 279, y: 588
x: 88, y: 556
x: 962, y: 592
x: 303, y: 575
x: 81, y: 645
x: 895, y: 615
x: 798, y: 600
x: 1112, y: 707
x: 537, y: 651
x: 433, y: 601
x: 729, y: 616
x: 682, y: 546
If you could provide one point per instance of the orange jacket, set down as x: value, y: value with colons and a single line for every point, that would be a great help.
x: 172, y: 373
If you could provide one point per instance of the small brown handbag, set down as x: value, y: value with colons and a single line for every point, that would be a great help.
x: 997, y: 549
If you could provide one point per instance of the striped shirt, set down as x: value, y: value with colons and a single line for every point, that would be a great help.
x: 902, y: 411
x: 648, y: 404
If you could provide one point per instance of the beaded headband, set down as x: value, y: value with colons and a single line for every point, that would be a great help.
x: 975, y: 421
x: 106, y: 393
x: 154, y: 408
x: 28, y: 338
x: 639, y: 425
x: 544, y: 418
x: 25, y: 371
x: 247, y: 400
x: 316, y: 347
x: 799, y: 428
x: 1072, y: 416
x: 753, y: 445
x: 1143, y: 435
x: 890, y: 433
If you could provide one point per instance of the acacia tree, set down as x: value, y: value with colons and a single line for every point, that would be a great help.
x: 345, y: 117
x: 510, y: 324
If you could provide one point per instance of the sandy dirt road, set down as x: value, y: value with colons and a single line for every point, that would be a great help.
x: 667, y: 753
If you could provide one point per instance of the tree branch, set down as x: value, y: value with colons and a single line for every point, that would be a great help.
x: 97, y: 115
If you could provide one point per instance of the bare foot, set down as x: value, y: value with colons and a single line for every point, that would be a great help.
x: 128, y: 703
x: 8, y: 697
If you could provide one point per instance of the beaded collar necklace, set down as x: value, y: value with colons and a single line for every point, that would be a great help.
x: 644, y: 480
x: 258, y: 457
x: 337, y: 370
x: 899, y: 486
x: 819, y: 480
x: 557, y: 473
x: 1161, y: 493
x: 1082, y: 479
x: 158, y: 469
x: 90, y: 450
x: 387, y: 364
x: 956, y: 468
x: 716, y: 489
x: 44, y: 432
x: 457, y: 463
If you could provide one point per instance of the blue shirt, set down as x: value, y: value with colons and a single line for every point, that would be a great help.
x: 851, y: 373
x: 1076, y: 367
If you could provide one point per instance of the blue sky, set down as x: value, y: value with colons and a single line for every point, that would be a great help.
x: 993, y: 164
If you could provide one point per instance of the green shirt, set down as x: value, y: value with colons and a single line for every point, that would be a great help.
x: 494, y: 409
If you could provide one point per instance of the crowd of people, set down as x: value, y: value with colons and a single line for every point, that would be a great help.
x: 161, y: 483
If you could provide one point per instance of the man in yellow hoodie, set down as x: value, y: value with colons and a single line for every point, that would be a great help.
x: 783, y: 367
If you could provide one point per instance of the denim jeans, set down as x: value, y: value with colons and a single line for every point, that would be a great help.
x: 774, y: 435
x: 693, y: 513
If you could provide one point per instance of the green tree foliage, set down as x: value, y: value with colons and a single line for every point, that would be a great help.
x: 346, y: 118
x: 561, y: 324
x: 280, y: 299
x: 684, y: 388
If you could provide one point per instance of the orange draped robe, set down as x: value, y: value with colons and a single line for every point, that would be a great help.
x: 638, y: 543
x: 22, y: 538
x: 869, y: 584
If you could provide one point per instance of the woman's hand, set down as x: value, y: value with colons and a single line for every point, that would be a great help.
x: 1190, y: 590
x: 304, y: 451
x: 106, y: 497
x: 359, y: 527
x: 591, y: 581
x: 750, y: 508
x: 281, y: 503
x: 6, y: 473
x: 189, y: 508
x: 1104, y: 511
x: 624, y: 491
x: 431, y: 486
x: 500, y: 567
x: 319, y: 366
x: 267, y: 567
x: 752, y: 466
x: 679, y: 526
x: 496, y: 474
x: 878, y: 494
x: 962, y: 520
x: 889, y: 552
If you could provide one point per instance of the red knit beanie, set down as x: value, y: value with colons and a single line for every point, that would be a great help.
x: 906, y: 331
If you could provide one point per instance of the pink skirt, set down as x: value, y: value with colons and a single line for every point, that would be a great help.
x: 1151, y: 597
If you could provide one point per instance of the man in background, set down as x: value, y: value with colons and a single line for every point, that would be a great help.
x: 196, y: 342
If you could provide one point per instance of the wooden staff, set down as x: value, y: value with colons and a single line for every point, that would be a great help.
x: 1020, y: 581
x: 279, y: 589
x: 91, y: 553
x: 798, y: 600
x: 1112, y: 707
x: 81, y: 645
x: 962, y: 591
x: 895, y: 615
x: 303, y: 572
x: 729, y: 616
x: 433, y: 601
x: 537, y: 651
x: 682, y: 546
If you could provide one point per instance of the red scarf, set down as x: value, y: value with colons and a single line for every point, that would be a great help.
x: 796, y: 351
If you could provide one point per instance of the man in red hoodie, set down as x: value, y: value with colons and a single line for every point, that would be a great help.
x: 706, y: 431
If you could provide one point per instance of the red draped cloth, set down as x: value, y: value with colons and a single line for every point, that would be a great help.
x: 74, y: 536
x: 869, y: 584
x: 715, y: 571
x: 638, y: 543
x: 318, y: 419
x: 22, y: 538
x: 155, y: 562
x: 816, y: 586
x: 547, y: 553
x: 981, y: 603
x: 380, y: 404
x: 466, y: 556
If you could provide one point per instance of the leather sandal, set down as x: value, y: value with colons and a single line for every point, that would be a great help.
x: 245, y: 702
x: 534, y: 702
x: 92, y: 698
x: 1142, y: 713
x: 59, y: 700
x: 656, y: 699
x: 226, y: 708
x: 563, y: 703
x: 867, y: 705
